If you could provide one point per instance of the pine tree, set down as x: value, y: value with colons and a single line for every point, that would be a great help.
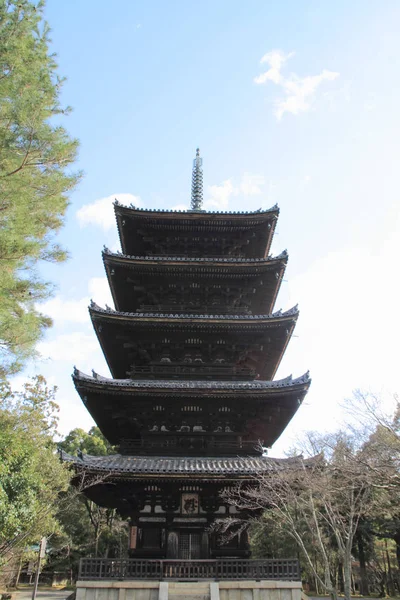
x: 35, y: 178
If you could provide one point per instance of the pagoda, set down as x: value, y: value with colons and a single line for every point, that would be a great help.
x: 193, y: 346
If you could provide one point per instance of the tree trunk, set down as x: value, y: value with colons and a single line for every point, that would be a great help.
x: 364, y: 587
x: 347, y: 573
x: 390, y: 573
x: 18, y: 575
x: 396, y: 538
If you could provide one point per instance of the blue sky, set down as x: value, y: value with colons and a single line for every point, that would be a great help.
x: 294, y: 103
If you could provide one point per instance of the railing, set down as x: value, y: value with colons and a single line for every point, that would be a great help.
x: 171, y: 370
x: 200, y: 443
x: 205, y: 309
x: 225, y: 568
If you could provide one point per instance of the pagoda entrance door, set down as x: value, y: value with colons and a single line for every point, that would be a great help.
x: 189, y: 547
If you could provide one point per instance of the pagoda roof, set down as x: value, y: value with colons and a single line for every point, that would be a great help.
x: 122, y: 335
x: 189, y: 260
x: 190, y: 319
x: 141, y: 231
x: 118, y: 464
x: 128, y: 385
x: 124, y: 409
x: 142, y: 283
x: 193, y: 214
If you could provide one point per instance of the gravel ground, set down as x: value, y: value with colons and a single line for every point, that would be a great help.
x: 42, y: 595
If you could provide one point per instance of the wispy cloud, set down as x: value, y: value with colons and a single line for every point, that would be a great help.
x: 218, y: 196
x: 71, y: 310
x: 101, y: 211
x: 299, y: 92
x: 275, y: 60
x: 180, y: 207
x: 76, y: 346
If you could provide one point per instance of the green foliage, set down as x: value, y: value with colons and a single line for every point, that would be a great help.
x: 88, y: 529
x: 92, y: 442
x: 35, y: 156
x: 31, y: 474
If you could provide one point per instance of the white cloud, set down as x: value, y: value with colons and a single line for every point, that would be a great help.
x: 99, y: 291
x: 101, y: 212
x: 61, y: 310
x: 180, y: 207
x: 72, y: 347
x: 299, y: 91
x: 64, y: 310
x: 342, y: 314
x: 219, y: 195
x: 250, y: 185
x: 275, y: 59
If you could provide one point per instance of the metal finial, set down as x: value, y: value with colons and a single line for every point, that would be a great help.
x: 197, y: 182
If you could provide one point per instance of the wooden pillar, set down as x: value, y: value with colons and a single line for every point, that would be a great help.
x: 172, y: 544
x: 204, y: 545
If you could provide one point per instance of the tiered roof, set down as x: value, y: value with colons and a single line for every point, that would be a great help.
x: 193, y: 345
x: 128, y: 339
x: 160, y: 465
x: 200, y: 233
x: 139, y: 283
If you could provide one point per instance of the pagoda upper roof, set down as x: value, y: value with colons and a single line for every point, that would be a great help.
x: 190, y: 319
x: 151, y: 412
x: 147, y: 283
x: 144, y: 232
x: 193, y: 214
x: 130, y: 385
x: 131, y: 340
x: 117, y: 464
x: 193, y: 260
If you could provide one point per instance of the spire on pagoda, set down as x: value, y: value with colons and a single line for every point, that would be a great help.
x: 197, y: 182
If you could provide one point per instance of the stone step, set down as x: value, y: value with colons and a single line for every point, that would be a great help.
x: 191, y: 590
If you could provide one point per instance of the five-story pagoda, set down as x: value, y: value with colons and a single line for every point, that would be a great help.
x: 193, y: 346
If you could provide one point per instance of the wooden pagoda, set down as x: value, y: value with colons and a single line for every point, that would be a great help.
x: 193, y: 346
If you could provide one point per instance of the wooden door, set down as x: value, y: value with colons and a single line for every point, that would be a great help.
x: 189, y: 546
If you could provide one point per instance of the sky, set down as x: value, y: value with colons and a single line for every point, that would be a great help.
x: 294, y: 103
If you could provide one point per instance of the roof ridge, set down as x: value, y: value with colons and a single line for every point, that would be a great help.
x: 259, y: 211
x: 192, y: 384
x: 106, y: 251
x: 178, y: 464
x: 279, y: 313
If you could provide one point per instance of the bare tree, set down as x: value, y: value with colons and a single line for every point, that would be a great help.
x: 320, y: 499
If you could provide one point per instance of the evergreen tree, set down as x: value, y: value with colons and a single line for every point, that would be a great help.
x: 31, y: 474
x: 35, y: 156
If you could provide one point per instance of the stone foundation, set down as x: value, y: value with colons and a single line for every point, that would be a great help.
x: 190, y: 590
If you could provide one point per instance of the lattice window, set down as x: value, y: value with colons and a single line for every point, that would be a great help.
x: 193, y: 341
x: 191, y: 408
x: 224, y: 409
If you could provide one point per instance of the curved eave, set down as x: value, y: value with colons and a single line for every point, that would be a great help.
x: 195, y: 219
x: 119, y: 266
x: 110, y: 325
x: 132, y: 387
x: 133, y: 211
x: 116, y: 258
x: 212, y: 468
x: 115, y: 403
x: 238, y: 321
